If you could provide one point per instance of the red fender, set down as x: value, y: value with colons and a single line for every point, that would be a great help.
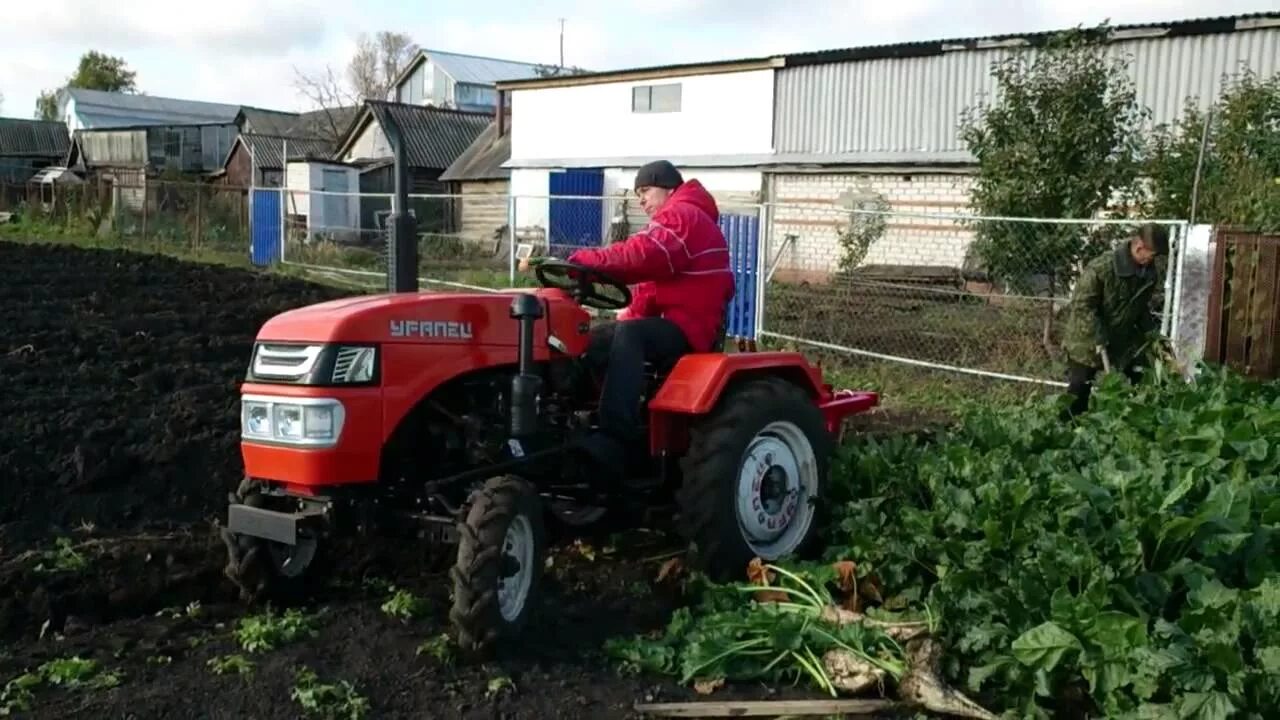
x: 696, y: 382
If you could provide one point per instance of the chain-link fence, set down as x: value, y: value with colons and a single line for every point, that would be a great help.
x: 559, y: 225
x: 462, y: 239
x: 985, y: 296
x: 133, y: 211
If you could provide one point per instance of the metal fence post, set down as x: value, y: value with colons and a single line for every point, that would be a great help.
x: 764, y: 240
x: 1184, y: 235
x: 284, y: 231
x: 1166, y: 321
x: 511, y: 240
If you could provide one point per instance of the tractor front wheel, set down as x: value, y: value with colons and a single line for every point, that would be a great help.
x: 753, y: 474
x: 270, y: 571
x: 501, y: 549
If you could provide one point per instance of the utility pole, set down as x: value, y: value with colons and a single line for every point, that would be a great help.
x: 562, y: 43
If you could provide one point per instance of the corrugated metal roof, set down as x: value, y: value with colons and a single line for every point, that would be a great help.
x: 327, y: 124
x: 40, y: 138
x: 269, y: 122
x: 474, y: 69
x: 480, y: 70
x: 100, y: 109
x: 484, y: 159
x: 1177, y: 28
x: 911, y: 106
x: 434, y: 137
x: 1222, y: 24
x: 330, y: 124
x: 267, y: 150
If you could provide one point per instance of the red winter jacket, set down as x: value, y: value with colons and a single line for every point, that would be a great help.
x: 679, y: 264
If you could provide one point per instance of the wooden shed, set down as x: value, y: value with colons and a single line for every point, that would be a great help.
x: 483, y: 185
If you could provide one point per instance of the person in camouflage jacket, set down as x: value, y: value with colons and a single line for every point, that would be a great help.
x: 1112, y: 314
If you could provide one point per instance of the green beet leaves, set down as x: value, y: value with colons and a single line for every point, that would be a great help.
x: 1125, y: 564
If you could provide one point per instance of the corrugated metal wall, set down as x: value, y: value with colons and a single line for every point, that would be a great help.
x: 115, y: 148
x: 914, y: 104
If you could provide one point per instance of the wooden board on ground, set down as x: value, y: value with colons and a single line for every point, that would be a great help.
x: 768, y: 708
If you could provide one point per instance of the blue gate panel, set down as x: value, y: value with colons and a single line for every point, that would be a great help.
x: 575, y: 223
x: 264, y: 228
x: 742, y: 232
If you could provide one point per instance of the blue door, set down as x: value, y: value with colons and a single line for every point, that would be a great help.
x: 575, y: 223
x: 264, y: 227
x: 742, y: 232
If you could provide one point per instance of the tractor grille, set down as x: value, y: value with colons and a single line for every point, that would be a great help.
x: 285, y: 362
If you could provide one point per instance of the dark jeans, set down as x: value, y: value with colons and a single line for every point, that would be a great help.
x: 1080, y: 384
x: 619, y: 350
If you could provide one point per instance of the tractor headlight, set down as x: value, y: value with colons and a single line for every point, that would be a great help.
x: 311, y: 422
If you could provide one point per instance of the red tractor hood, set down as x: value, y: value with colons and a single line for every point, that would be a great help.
x: 472, y: 318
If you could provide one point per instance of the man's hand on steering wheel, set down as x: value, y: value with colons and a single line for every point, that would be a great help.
x: 588, y: 286
x: 532, y: 262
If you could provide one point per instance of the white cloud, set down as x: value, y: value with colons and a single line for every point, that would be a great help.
x: 241, y: 26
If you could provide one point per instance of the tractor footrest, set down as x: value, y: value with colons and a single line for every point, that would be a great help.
x: 281, y: 527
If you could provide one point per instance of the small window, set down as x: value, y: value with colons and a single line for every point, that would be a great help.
x: 655, y: 98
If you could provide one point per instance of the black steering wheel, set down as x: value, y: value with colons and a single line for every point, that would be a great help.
x: 588, y: 286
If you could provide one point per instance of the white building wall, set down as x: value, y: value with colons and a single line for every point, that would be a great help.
x: 597, y: 121
x: 370, y: 144
x: 306, y: 198
x: 529, y: 187
x: 297, y: 181
x: 67, y: 111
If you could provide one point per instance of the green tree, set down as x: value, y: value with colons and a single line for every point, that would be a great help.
x: 1240, y: 173
x: 1062, y: 139
x: 95, y: 71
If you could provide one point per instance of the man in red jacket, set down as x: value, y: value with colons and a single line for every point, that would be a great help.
x: 678, y: 266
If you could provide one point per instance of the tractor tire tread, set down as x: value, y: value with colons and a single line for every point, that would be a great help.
x: 474, y: 615
x: 707, y: 465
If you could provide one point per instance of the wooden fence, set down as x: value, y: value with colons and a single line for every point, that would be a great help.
x: 1244, y: 303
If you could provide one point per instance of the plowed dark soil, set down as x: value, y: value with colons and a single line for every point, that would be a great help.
x: 119, y: 440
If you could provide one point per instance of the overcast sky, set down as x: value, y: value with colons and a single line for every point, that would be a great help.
x: 246, y: 51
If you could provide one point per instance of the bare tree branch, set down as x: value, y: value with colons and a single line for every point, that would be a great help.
x: 330, y: 97
x: 362, y: 69
x: 377, y: 61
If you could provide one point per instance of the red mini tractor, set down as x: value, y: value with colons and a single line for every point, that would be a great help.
x: 458, y: 413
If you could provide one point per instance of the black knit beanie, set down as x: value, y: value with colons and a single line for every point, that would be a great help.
x: 659, y: 173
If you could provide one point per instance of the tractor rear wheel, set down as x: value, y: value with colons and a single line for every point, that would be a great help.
x: 498, y: 573
x: 270, y: 571
x: 753, y: 474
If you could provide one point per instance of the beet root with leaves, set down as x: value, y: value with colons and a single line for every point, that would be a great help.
x: 803, y: 623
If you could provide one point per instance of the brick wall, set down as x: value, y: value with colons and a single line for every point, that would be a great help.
x: 805, y: 206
